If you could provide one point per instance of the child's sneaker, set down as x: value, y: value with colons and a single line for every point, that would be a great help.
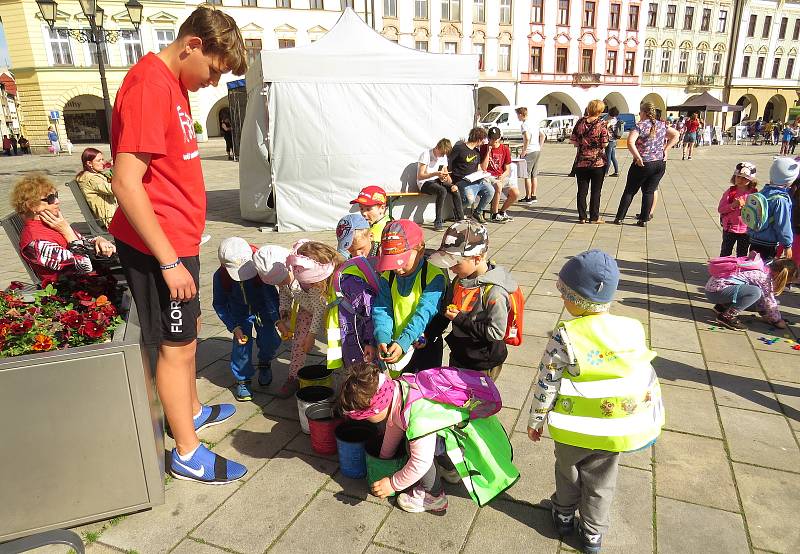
x: 205, y: 467
x: 418, y: 501
x: 590, y: 543
x: 564, y: 523
x: 730, y: 320
x: 241, y: 391
x: 265, y: 374
x: 719, y: 308
x: 450, y: 475
x: 213, y: 415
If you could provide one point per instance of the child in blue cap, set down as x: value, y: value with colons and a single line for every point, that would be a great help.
x: 598, y: 393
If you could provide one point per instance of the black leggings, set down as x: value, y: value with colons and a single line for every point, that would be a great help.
x: 441, y: 191
x: 729, y: 239
x: 590, y: 176
x: 645, y: 178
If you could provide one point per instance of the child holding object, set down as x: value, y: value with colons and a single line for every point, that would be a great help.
x: 244, y: 303
x: 598, y: 393
x: 734, y: 230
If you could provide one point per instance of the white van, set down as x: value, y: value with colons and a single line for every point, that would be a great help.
x: 558, y: 127
x: 505, y: 118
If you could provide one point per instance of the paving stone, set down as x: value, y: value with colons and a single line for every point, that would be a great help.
x: 514, y: 387
x: 684, y: 527
x: 727, y: 347
x: 641, y: 459
x: 631, y: 513
x: 661, y: 307
x: 539, y: 324
x: 789, y: 396
x: 690, y: 411
x: 742, y: 387
x: 770, y: 528
x: 528, y: 354
x: 535, y: 462
x: 544, y: 303
x: 257, y: 440
x: 504, y: 526
x: 680, y: 476
x: 779, y: 366
x: 759, y: 438
x: 244, y: 411
x: 190, y: 546
x: 213, y: 381
x: 508, y: 417
x: 687, y: 369
x: 354, y: 524
x: 674, y: 334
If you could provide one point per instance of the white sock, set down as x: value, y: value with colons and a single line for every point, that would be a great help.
x: 188, y: 456
x: 195, y: 416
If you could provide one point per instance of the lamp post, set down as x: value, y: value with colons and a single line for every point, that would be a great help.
x: 96, y: 34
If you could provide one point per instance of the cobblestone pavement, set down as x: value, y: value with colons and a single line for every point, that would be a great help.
x: 723, y: 477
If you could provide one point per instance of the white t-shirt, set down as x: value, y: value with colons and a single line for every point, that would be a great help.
x: 533, y: 137
x: 433, y: 164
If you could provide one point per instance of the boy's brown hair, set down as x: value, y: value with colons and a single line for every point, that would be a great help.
x: 523, y: 111
x: 445, y: 146
x: 359, y: 386
x: 220, y: 35
x: 28, y: 191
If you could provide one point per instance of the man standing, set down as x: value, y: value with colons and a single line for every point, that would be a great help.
x: 158, y: 181
x: 532, y: 141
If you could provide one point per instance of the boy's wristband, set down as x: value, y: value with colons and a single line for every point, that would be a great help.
x: 173, y: 265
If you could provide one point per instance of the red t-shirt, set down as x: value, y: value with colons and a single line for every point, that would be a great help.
x: 692, y: 125
x: 152, y: 116
x: 499, y: 158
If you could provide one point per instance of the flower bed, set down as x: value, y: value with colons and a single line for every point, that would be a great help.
x: 75, y: 311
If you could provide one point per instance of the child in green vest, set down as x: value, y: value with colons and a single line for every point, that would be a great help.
x: 599, y: 394
x: 372, y: 205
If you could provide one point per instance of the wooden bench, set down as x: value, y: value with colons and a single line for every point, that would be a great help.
x: 96, y: 227
x: 12, y: 224
x: 392, y: 197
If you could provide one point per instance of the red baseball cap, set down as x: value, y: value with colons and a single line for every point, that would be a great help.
x: 370, y: 196
x: 399, y: 239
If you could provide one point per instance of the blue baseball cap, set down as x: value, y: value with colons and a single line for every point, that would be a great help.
x: 346, y: 230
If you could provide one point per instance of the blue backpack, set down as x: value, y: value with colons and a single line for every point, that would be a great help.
x: 755, y: 212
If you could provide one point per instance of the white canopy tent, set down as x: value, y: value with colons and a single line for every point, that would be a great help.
x: 350, y: 110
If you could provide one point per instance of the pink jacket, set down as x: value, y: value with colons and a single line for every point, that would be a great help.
x: 731, y: 217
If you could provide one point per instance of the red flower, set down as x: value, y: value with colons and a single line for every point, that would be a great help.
x: 71, y: 318
x: 21, y: 327
x: 42, y: 343
x: 83, y: 296
x: 4, y: 330
x: 109, y: 310
x: 92, y: 330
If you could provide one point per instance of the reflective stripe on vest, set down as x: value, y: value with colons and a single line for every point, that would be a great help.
x: 403, y: 307
x: 334, y: 353
x: 615, y: 403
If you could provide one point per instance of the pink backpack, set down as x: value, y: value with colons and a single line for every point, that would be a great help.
x: 727, y: 266
x: 464, y: 388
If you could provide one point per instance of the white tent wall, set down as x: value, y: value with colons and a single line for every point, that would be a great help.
x: 352, y: 109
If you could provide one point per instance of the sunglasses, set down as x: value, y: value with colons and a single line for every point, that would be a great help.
x: 50, y: 198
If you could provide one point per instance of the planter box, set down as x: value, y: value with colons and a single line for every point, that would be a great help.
x: 82, y: 435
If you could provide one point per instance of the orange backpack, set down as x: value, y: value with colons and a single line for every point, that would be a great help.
x: 516, y: 310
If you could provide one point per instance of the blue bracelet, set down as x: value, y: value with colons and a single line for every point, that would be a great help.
x: 174, y: 264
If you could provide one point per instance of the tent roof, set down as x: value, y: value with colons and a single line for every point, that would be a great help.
x: 353, y: 52
x: 706, y: 102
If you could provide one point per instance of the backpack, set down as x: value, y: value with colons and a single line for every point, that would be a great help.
x: 618, y: 130
x: 755, y: 212
x: 516, y: 309
x: 463, y: 388
x: 727, y: 266
x: 367, y: 268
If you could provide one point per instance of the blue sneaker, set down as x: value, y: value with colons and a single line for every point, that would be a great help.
x: 564, y: 523
x: 591, y: 543
x: 213, y: 415
x: 242, y: 391
x: 265, y: 374
x: 205, y: 467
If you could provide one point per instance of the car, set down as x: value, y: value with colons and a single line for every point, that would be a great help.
x: 505, y: 118
x: 558, y: 127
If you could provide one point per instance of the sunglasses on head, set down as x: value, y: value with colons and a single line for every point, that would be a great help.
x: 50, y: 198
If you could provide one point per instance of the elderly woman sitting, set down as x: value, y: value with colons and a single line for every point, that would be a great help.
x: 95, y: 182
x: 47, y: 242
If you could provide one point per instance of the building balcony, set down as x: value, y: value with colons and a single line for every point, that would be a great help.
x: 709, y: 81
x: 579, y: 79
x: 683, y: 80
x: 586, y: 79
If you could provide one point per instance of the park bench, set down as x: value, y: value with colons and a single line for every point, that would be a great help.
x: 96, y: 227
x: 393, y: 197
x: 12, y: 224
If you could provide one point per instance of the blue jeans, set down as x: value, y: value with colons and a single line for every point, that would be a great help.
x: 611, y: 155
x: 267, y: 340
x: 739, y: 297
x: 481, y: 190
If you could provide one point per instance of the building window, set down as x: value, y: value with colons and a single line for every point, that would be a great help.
x: 480, y: 50
x: 767, y: 27
x: 451, y: 10
x: 536, y: 11
x: 717, y: 63
x: 784, y: 24
x: 285, y: 43
x: 563, y: 12
x: 722, y: 22
x: 745, y: 66
x: 683, y: 62
x: 613, y: 16
x: 215, y: 2
x: 536, y: 59
x: 479, y: 11
x: 751, y: 27
x: 253, y: 3
x: 672, y: 10
x: 630, y: 63
x: 59, y: 47
x: 760, y: 67
x: 252, y: 46
x: 647, y: 61
x: 348, y: 4
x: 611, y: 62
x: 450, y: 48
x: 776, y: 67
x: 505, y: 12
x: 421, y: 10
x: 796, y: 33
x: 587, y: 60
x: 131, y: 46
x: 504, y: 62
x: 666, y: 60
x: 705, y: 23
x: 633, y: 17
x: 688, y: 18
x: 103, y: 50
x: 164, y: 38
x: 281, y: 3
x: 421, y: 45
x: 588, y: 14
x: 390, y: 8
x: 789, y: 68
x: 317, y: 5
x: 652, y: 15
x: 561, y: 60
x: 700, y: 68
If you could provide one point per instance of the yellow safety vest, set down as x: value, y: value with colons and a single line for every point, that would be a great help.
x: 615, y: 403
x: 334, y: 353
x: 403, y: 307
x: 376, y: 229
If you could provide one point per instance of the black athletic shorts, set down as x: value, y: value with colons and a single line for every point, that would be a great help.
x: 161, y: 318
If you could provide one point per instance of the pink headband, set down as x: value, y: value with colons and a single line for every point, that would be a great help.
x: 306, y: 270
x: 382, y: 398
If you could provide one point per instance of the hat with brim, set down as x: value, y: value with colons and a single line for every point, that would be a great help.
x: 444, y: 260
x: 346, y: 231
x: 236, y: 257
x: 399, y: 241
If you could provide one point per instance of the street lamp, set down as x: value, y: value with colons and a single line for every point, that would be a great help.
x: 96, y: 35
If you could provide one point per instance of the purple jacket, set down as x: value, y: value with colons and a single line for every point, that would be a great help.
x: 731, y: 217
x: 356, y: 328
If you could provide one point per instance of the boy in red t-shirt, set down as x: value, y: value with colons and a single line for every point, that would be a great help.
x: 158, y: 182
x: 498, y: 164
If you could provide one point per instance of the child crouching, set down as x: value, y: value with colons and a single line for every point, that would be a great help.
x: 591, y: 422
